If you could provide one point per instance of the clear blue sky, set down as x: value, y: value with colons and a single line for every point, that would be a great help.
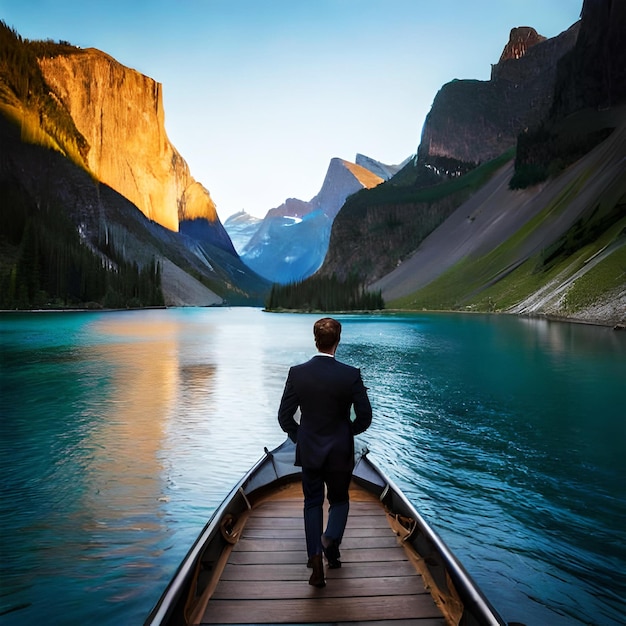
x: 260, y: 94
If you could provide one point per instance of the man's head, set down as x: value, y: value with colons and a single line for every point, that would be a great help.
x: 327, y: 333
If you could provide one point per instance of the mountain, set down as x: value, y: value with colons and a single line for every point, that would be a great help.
x: 473, y: 121
x: 43, y: 191
x: 470, y: 122
x: 523, y: 251
x: 84, y: 136
x: 291, y: 242
x: 240, y: 228
x: 130, y: 120
x: 538, y: 228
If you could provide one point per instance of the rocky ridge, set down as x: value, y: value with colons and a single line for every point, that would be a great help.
x: 383, y: 170
x: 474, y: 121
x: 342, y: 179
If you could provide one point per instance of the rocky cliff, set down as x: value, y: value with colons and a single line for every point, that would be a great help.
x: 119, y: 111
x: 521, y: 40
x: 593, y: 73
x: 97, y: 207
x: 470, y: 122
x: 342, y: 180
x: 473, y: 121
x: 383, y: 170
x: 38, y: 185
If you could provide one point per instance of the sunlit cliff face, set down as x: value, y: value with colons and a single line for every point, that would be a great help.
x: 364, y: 176
x: 120, y: 113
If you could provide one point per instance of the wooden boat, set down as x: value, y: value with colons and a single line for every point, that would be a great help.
x: 248, y: 565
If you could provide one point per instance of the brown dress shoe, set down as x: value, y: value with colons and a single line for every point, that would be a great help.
x: 317, y: 577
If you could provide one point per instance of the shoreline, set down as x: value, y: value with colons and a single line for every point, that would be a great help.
x: 615, y: 325
x: 84, y: 310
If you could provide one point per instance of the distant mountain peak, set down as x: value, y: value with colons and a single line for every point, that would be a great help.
x: 291, y: 241
x: 242, y: 217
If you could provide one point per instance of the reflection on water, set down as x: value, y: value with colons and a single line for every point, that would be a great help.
x: 121, y: 432
x: 85, y: 477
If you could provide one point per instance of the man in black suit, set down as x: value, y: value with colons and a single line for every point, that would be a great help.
x: 325, y: 390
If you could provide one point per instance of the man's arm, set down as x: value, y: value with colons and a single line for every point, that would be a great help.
x: 287, y: 409
x: 362, y: 407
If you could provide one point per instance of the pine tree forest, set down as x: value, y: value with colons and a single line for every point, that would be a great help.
x: 322, y: 293
x: 50, y: 267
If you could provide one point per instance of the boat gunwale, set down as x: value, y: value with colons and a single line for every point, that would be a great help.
x: 171, y: 595
x: 470, y: 593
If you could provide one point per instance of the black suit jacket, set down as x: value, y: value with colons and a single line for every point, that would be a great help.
x: 325, y: 390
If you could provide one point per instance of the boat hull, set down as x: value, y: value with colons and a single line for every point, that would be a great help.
x: 188, y: 597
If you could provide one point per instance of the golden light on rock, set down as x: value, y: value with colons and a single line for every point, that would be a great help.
x: 364, y: 176
x: 120, y: 113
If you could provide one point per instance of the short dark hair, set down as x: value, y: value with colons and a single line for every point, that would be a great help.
x: 327, y: 333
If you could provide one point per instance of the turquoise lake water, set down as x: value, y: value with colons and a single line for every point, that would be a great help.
x: 121, y: 432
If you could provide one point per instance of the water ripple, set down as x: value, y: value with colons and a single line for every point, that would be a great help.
x: 121, y: 433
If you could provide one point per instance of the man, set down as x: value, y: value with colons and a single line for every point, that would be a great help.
x: 325, y: 390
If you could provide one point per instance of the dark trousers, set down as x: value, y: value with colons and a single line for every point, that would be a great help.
x: 337, y: 485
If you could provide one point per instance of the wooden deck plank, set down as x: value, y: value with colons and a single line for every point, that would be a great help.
x: 297, y: 513
x: 275, y: 509
x: 427, y: 621
x: 273, y: 544
x: 320, y: 609
x: 296, y: 533
x: 299, y: 572
x: 266, y: 578
x: 296, y: 589
x: 293, y: 491
x: 295, y: 556
x: 362, y: 521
